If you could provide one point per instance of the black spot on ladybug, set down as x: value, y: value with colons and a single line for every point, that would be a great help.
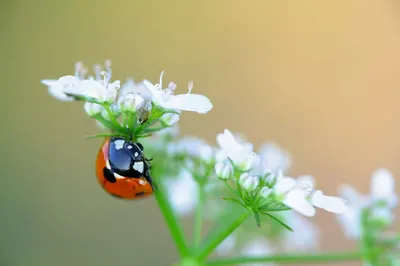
x: 108, y: 175
x: 139, y: 194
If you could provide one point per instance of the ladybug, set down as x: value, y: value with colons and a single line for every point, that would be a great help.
x: 122, y: 170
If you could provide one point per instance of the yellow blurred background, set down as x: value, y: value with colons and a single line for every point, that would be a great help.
x: 321, y: 78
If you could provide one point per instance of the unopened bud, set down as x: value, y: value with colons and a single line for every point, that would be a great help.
x: 92, y: 108
x: 223, y: 170
x: 249, y: 182
x: 265, y: 192
x: 170, y: 119
x: 131, y: 103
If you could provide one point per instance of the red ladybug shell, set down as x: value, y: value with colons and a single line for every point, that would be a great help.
x: 122, y: 187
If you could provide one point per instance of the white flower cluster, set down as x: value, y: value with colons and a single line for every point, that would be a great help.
x: 381, y: 202
x: 238, y: 161
x: 118, y: 107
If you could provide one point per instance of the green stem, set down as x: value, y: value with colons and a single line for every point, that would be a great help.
x: 172, y: 221
x: 198, y: 219
x: 112, y: 117
x: 287, y: 258
x: 217, y: 238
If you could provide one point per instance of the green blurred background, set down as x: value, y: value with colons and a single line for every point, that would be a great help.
x: 319, y: 77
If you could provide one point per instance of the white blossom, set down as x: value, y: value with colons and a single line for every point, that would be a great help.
x: 101, y: 91
x: 63, y: 86
x: 241, y: 154
x: 71, y: 87
x: 165, y: 98
x: 131, y: 87
x: 59, y: 88
x: 182, y: 193
x: 382, y: 190
x: 301, y: 196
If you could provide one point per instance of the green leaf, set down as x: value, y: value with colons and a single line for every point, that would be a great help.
x: 278, y: 221
x: 257, y: 217
x: 235, y: 201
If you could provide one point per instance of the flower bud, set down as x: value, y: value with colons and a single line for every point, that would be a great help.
x: 170, y: 119
x: 223, y: 170
x: 265, y: 192
x: 269, y: 177
x: 92, y: 108
x: 131, y: 103
x: 249, y: 182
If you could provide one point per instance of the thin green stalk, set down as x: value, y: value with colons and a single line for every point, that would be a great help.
x: 112, y: 117
x: 198, y: 219
x: 217, y: 238
x: 172, y: 222
x: 288, y: 258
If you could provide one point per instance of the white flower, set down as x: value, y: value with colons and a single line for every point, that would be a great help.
x: 170, y: 119
x: 63, y: 86
x: 166, y: 99
x: 224, y: 170
x: 73, y: 87
x: 248, y: 181
x: 301, y: 196
x: 131, y: 102
x: 102, y: 91
x: 131, y: 87
x: 67, y: 84
x: 274, y: 158
x: 258, y: 248
x: 241, y: 154
x: 182, y: 193
x: 382, y: 190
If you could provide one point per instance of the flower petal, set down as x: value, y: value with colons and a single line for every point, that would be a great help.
x: 156, y: 93
x: 296, y: 199
x: 284, y: 184
x: 329, y: 203
x: 189, y: 102
x: 49, y: 82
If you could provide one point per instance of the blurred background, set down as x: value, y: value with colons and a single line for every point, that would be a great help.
x: 321, y: 78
